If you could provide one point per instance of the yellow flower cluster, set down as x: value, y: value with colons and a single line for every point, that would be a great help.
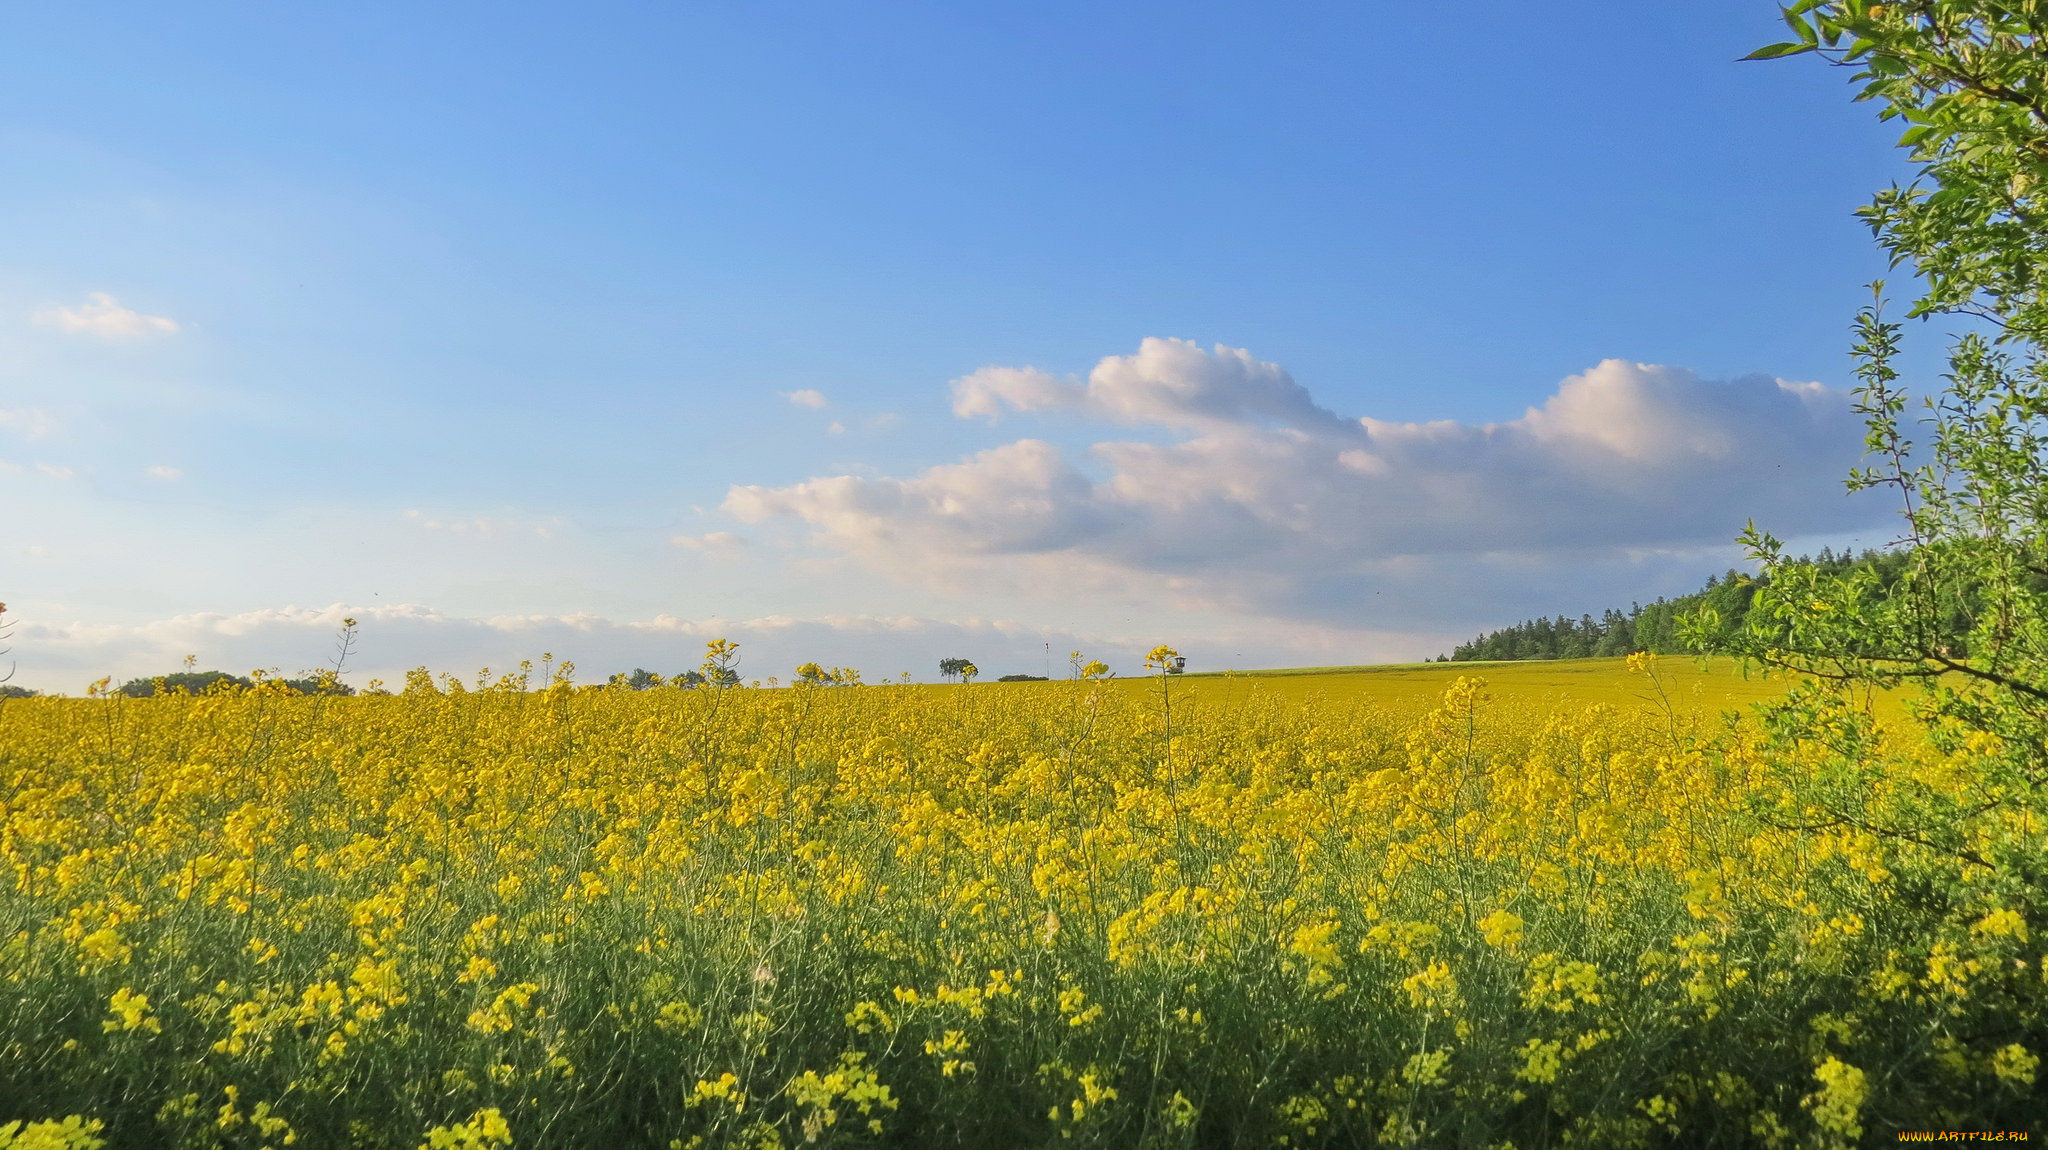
x: 1105, y: 913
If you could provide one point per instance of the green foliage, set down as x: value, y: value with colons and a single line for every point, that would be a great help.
x: 643, y: 679
x: 1614, y: 633
x: 1655, y: 627
x: 205, y: 682
x: 184, y: 682
x: 1964, y: 615
x: 318, y: 683
x: 1969, y: 79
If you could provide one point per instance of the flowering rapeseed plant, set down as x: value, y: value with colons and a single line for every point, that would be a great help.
x: 1034, y: 914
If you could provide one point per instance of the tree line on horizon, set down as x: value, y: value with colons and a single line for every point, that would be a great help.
x: 1653, y: 627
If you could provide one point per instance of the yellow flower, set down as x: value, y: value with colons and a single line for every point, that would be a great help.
x: 131, y: 1012
x: 2002, y: 924
x: 2015, y: 1064
x: 484, y: 1129
x: 1838, y: 1102
x: 73, y: 1133
x: 1502, y: 929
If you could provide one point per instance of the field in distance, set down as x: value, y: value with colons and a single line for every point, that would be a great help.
x: 1410, y: 688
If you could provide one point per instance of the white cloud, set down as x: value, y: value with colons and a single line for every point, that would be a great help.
x: 54, y: 471
x: 165, y: 473
x: 1271, y: 503
x: 103, y: 316
x: 488, y: 526
x: 807, y: 397
x: 712, y: 541
x: 30, y: 422
x: 1169, y: 382
x: 992, y: 389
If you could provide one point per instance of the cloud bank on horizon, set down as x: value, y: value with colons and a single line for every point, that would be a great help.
x: 293, y: 640
x: 1252, y: 497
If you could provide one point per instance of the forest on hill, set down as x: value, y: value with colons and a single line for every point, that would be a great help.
x: 1651, y: 627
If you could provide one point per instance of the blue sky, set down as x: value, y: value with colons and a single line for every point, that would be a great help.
x: 481, y: 321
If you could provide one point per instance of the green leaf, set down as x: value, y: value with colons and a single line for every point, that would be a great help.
x: 1774, y: 51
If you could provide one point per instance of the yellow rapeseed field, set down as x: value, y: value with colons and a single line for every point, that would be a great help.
x: 1409, y: 689
x: 1171, y: 912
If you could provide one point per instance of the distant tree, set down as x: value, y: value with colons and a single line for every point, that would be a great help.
x: 1021, y: 679
x: 322, y: 682
x: 641, y: 679
x: 185, y: 683
x: 953, y: 668
x: 968, y: 672
x: 1655, y: 627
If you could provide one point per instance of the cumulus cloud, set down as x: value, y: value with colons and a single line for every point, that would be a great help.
x: 102, y: 315
x: 1169, y: 382
x: 54, y: 471
x: 807, y: 397
x: 67, y: 656
x: 166, y: 474
x: 1269, y: 501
